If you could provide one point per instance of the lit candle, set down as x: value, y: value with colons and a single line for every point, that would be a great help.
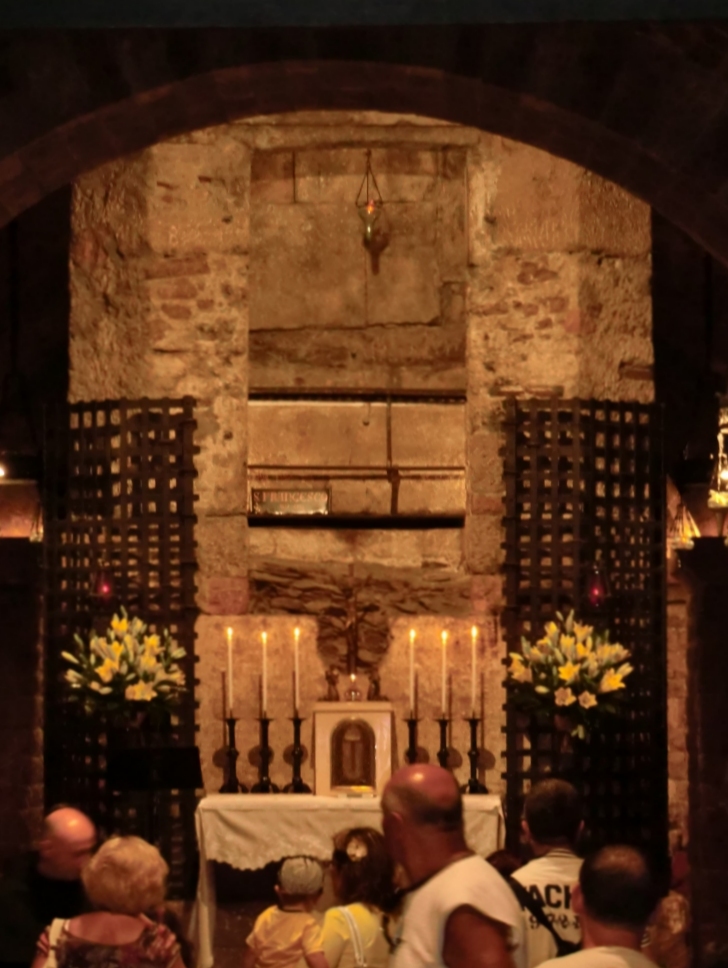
x: 296, y: 696
x: 473, y: 648
x: 229, y: 633
x: 264, y: 687
x: 443, y: 636
x: 412, y: 671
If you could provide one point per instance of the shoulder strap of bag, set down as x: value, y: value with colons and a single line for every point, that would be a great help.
x: 356, y: 939
x: 534, y: 907
x: 57, y: 926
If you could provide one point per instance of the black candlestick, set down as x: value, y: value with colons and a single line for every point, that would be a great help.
x: 473, y: 785
x: 442, y: 753
x: 232, y: 784
x: 297, y: 785
x: 264, y: 784
x: 411, y: 751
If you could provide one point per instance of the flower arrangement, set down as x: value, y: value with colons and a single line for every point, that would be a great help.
x: 569, y: 671
x: 128, y: 664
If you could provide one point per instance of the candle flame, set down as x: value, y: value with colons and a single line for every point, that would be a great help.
x: 264, y: 637
x: 474, y: 631
x: 443, y: 636
x: 296, y: 633
x: 413, y: 635
x: 353, y: 677
x: 229, y: 633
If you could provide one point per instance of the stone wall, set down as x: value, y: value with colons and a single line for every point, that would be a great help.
x: 232, y: 258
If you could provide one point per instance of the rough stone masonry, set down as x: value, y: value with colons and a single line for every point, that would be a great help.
x: 231, y: 259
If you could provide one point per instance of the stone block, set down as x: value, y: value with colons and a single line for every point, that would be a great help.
x: 219, y: 595
x: 485, y: 463
x: 335, y: 174
x: 452, y: 239
x: 610, y: 219
x: 536, y: 203
x: 222, y: 544
x: 271, y: 177
x: 197, y: 198
x: 406, y: 287
x: 292, y: 247
x: 408, y: 357
x: 446, y: 496
x: 431, y: 435
x: 483, y: 538
x: 317, y: 434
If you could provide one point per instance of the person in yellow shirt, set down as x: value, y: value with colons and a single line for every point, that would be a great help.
x: 288, y: 932
x: 362, y: 878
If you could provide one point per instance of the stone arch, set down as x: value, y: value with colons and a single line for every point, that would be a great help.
x: 630, y: 121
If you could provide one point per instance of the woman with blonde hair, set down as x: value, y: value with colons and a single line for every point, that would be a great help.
x: 125, y: 878
x: 354, y: 934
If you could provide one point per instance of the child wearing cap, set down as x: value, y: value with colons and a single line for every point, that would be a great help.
x: 287, y: 931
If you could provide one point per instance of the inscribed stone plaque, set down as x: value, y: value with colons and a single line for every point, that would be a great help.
x: 290, y: 500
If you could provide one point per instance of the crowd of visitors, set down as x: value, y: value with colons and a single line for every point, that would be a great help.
x: 410, y: 897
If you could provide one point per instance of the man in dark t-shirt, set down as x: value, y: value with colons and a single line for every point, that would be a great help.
x: 37, y: 887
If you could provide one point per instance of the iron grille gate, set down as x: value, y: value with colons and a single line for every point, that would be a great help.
x: 118, y: 491
x: 585, y: 479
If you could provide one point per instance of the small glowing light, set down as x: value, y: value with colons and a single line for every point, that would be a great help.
x: 353, y: 677
x: 724, y: 474
x: 2, y: 470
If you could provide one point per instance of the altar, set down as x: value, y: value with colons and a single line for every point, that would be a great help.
x: 249, y: 831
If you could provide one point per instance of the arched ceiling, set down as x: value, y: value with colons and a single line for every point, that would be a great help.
x: 643, y: 105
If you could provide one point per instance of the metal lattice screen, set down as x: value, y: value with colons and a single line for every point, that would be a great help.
x: 585, y: 479
x: 118, y: 492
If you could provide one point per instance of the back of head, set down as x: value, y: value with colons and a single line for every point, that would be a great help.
x: 428, y: 796
x: 300, y: 877
x: 67, y: 841
x: 553, y: 812
x: 364, y: 871
x: 126, y: 876
x: 618, y: 888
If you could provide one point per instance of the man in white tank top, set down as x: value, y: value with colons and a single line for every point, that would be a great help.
x: 459, y: 911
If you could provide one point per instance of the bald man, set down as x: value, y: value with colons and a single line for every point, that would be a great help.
x: 459, y: 911
x: 38, y: 887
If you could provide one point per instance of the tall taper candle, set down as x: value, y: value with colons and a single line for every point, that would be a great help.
x: 264, y: 687
x: 443, y: 636
x: 473, y: 649
x: 229, y: 633
x: 296, y: 689
x: 412, y: 671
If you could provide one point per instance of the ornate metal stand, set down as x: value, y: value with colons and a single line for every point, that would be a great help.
x: 411, y: 751
x: 232, y: 784
x: 264, y: 784
x: 473, y: 785
x: 297, y: 785
x: 442, y: 753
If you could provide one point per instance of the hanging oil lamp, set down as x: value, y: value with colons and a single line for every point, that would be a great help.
x: 597, y: 585
x: 369, y: 202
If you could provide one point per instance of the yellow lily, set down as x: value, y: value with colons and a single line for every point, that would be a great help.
x: 568, y: 672
x: 611, y: 681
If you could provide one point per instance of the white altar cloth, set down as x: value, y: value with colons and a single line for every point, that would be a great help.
x: 249, y: 831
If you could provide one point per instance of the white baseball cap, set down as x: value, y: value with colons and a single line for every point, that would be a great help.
x: 300, y: 875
